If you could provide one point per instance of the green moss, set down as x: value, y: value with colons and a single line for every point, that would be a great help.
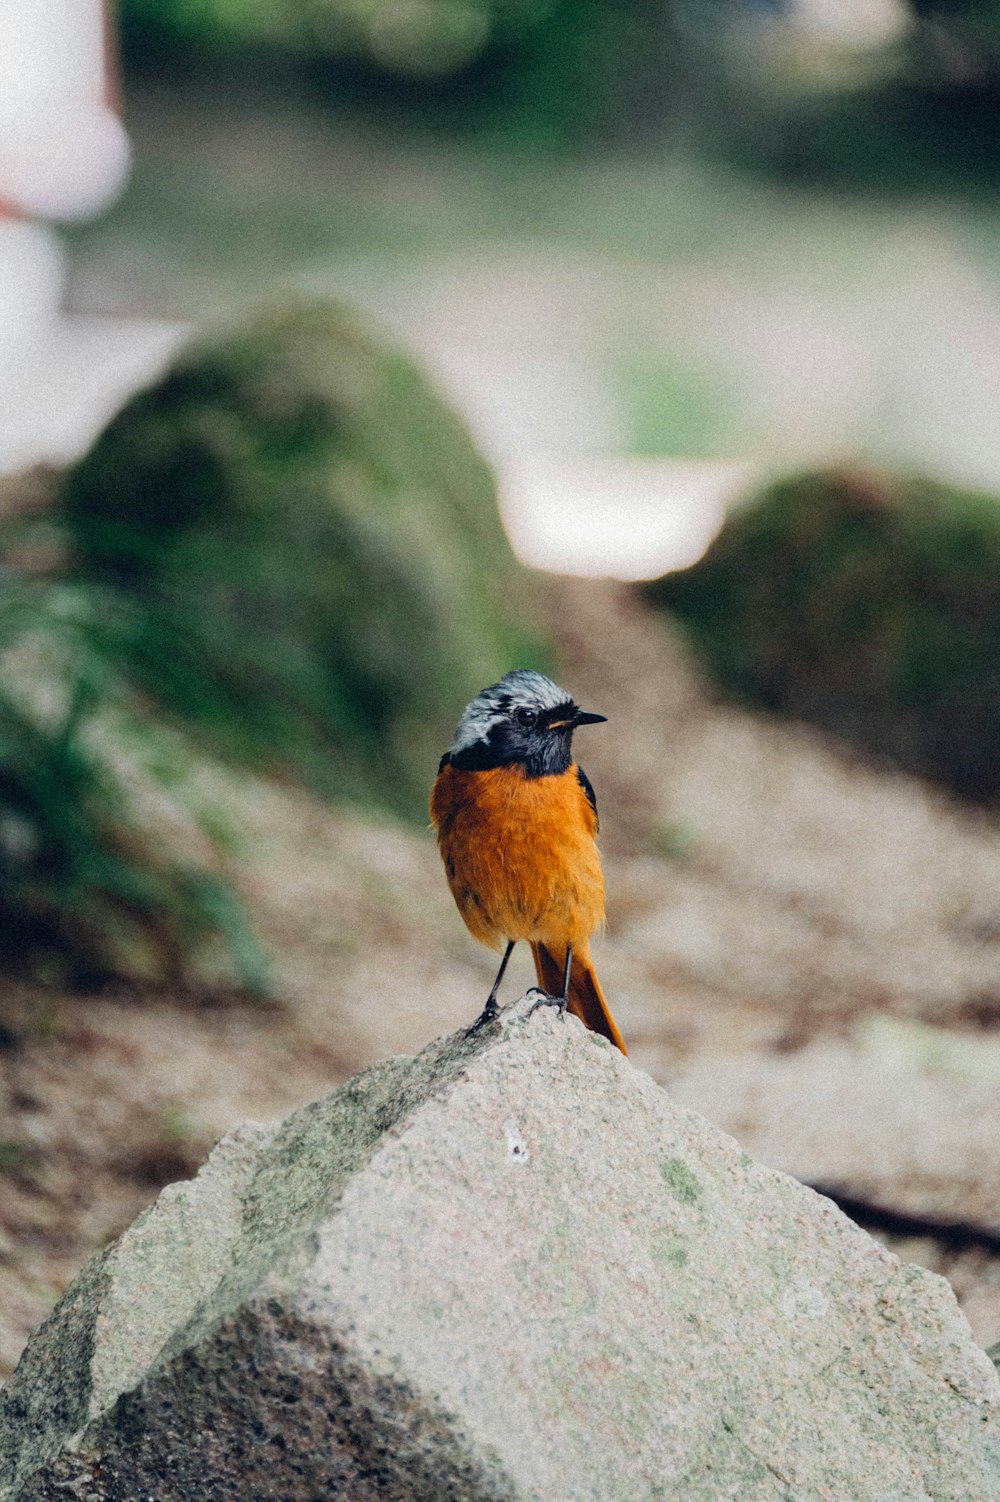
x: 305, y: 555
x: 869, y: 607
x: 682, y: 1183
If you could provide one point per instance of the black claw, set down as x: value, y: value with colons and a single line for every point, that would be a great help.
x: 489, y: 1013
x: 543, y: 999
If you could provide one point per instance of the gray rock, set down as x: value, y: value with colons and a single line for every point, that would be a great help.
x: 900, y: 1113
x: 510, y: 1268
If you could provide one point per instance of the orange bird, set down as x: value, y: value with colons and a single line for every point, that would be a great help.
x: 516, y: 822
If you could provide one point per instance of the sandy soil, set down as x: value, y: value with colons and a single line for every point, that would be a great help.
x: 802, y: 946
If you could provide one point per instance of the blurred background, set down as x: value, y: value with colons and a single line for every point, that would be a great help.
x: 355, y: 351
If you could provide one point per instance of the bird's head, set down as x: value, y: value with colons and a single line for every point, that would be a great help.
x: 524, y: 718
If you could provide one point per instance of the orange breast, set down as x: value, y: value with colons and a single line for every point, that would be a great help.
x: 520, y: 854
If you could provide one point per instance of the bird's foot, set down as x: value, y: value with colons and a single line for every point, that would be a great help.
x: 544, y: 999
x: 489, y: 1013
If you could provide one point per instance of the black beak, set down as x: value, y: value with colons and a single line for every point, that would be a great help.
x: 575, y: 717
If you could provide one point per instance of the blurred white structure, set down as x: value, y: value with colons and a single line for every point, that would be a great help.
x: 617, y: 518
x: 64, y: 155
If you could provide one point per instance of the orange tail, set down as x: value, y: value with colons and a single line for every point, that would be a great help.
x: 586, y: 999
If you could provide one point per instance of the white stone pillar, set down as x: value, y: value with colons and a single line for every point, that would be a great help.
x: 64, y: 155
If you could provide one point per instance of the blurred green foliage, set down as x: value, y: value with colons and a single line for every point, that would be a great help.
x: 898, y: 97
x: 430, y: 38
x: 892, y: 136
x: 539, y: 70
x: 305, y: 555
x: 892, y: 96
x: 90, y: 886
x: 671, y: 407
x: 869, y: 607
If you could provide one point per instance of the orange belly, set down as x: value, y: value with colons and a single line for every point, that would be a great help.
x: 520, y: 854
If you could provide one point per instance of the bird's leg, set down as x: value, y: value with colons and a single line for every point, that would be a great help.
x: 543, y: 999
x: 491, y: 1009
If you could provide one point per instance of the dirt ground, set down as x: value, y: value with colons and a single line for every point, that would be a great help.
x: 800, y: 945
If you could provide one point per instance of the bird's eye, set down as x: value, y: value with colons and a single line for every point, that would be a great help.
x: 525, y: 717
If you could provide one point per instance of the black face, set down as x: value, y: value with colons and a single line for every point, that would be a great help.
x: 540, y: 739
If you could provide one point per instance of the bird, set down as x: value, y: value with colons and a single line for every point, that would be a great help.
x: 516, y: 820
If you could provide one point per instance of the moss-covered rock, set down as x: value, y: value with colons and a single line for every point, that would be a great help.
x: 306, y: 554
x: 867, y: 606
x: 287, y: 551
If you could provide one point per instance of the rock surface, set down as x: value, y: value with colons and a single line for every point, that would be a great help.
x: 508, y: 1268
x: 900, y: 1113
